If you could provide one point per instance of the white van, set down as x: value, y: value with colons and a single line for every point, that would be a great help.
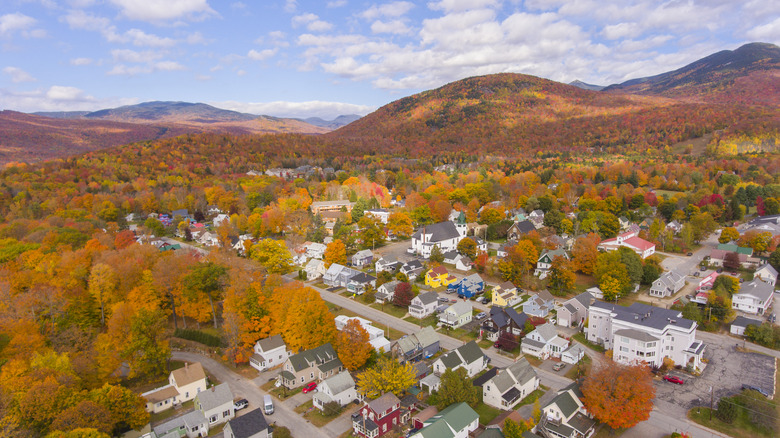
x: 268, y: 405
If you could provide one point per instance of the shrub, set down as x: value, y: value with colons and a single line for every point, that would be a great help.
x: 329, y: 409
x: 198, y: 336
x: 727, y: 410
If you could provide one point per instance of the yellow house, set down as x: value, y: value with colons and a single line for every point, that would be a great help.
x: 439, y: 276
x: 505, y: 295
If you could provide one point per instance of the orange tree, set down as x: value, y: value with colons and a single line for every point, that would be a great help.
x: 619, y: 395
x: 352, y: 345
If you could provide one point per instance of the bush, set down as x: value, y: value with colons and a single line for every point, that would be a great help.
x: 727, y: 410
x: 282, y: 432
x: 198, y: 336
x: 330, y: 409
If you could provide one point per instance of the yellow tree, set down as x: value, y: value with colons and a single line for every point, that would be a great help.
x: 301, y: 316
x: 353, y: 346
x: 273, y: 255
x: 388, y: 375
x: 400, y: 224
x: 335, y: 252
x: 102, y: 286
x: 728, y: 234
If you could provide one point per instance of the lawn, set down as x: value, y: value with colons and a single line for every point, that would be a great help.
x: 428, y: 321
x: 532, y: 397
x: 484, y: 343
x: 487, y: 413
x: 281, y: 392
x: 160, y: 416
x: 462, y: 334
x: 313, y: 414
x: 585, y: 363
x: 580, y: 337
x: 391, y: 309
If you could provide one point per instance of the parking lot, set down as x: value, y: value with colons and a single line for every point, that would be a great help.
x: 726, y: 372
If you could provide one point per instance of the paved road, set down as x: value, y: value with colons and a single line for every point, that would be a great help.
x: 245, y: 388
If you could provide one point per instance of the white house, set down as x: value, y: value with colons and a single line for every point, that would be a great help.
x: 644, y: 333
x: 468, y: 356
x: 754, y: 297
x: 741, y: 323
x: 544, y: 263
x: 630, y: 240
x: 573, y: 354
x: 376, y: 336
x: 269, y: 352
x: 544, y: 342
x: 424, y: 304
x: 668, y: 284
x: 219, y: 219
x: 338, y: 275
x: 445, y: 235
x: 510, y: 385
x: 362, y: 258
x: 565, y: 416
x: 315, y: 269
x: 315, y: 250
x: 411, y: 269
x: 381, y: 215
x: 767, y: 274
x: 183, y: 385
x: 386, y: 264
x: 457, y: 315
x: 339, y: 388
x: 574, y: 311
x: 386, y: 292
x: 216, y: 403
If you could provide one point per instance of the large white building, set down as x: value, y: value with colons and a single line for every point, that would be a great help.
x: 644, y: 333
x: 754, y: 297
x: 630, y: 240
x: 445, y: 235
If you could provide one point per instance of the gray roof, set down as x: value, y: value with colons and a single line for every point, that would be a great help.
x: 362, y: 278
x: 428, y: 297
x: 461, y: 307
x: 566, y: 403
x: 305, y: 359
x: 366, y: 253
x: 383, y: 403
x: 585, y: 298
x: 412, y: 265
x: 545, y: 295
x: 646, y: 315
x: 465, y: 354
x: 425, y: 337
x: 271, y: 342
x: 248, y: 424
x: 215, y: 396
x: 188, y: 420
x: 758, y: 289
x: 552, y: 253
x: 741, y: 321
x: 340, y: 382
x: 439, y: 232
x: 519, y: 372
x: 636, y: 334
x: 525, y: 226
x: 547, y: 331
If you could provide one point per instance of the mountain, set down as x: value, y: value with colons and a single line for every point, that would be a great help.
x: 61, y: 114
x: 749, y: 74
x: 170, y: 112
x: 336, y: 123
x: 579, y: 84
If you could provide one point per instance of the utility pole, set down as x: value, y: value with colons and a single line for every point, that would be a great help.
x: 712, y: 400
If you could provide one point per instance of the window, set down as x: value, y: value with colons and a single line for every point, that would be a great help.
x: 624, y: 349
x: 213, y: 419
x: 301, y: 379
x: 650, y: 345
x: 226, y: 414
x: 384, y: 428
x: 312, y: 375
x: 187, y: 394
x: 624, y: 339
x: 195, y: 429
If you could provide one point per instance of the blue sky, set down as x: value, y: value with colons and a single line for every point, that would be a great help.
x: 329, y: 57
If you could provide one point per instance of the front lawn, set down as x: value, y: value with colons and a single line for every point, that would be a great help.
x: 584, y: 365
x: 580, y: 337
x: 486, y: 413
x: 313, y: 414
x: 427, y: 321
x: 283, y: 393
x: 164, y: 415
x: 532, y: 397
x: 460, y: 333
x: 390, y: 309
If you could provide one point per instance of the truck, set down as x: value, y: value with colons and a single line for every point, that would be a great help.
x: 268, y: 405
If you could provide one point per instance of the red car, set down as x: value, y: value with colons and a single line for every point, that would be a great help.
x: 310, y: 387
x: 674, y: 379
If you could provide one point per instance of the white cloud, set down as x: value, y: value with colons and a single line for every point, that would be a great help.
x: 141, y: 38
x: 81, y: 61
x: 261, y: 55
x: 58, y: 98
x: 156, y: 11
x: 168, y: 66
x: 290, y: 6
x: 315, y: 108
x: 10, y: 23
x: 769, y: 32
x: 463, y: 5
x: 621, y: 30
x: 395, y: 27
x: 393, y: 9
x: 90, y: 22
x: 336, y: 3
x: 58, y: 92
x: 18, y: 75
x: 127, y: 55
x: 312, y: 22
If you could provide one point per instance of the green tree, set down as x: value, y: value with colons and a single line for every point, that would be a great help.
x: 207, y: 279
x: 633, y: 264
x: 727, y: 410
x: 692, y: 311
x: 154, y: 226
x: 371, y: 233
x: 468, y: 248
x: 456, y: 387
x: 728, y: 283
x: 561, y: 276
x: 436, y: 255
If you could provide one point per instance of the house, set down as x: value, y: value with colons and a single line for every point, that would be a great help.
x: 412, y: 269
x: 519, y: 229
x: 510, y: 385
x: 731, y: 247
x: 219, y: 219
x: 544, y: 342
x: 208, y: 239
x: 315, y: 250
x: 450, y: 257
x: 503, y: 249
x: 501, y: 320
x: 359, y: 282
x: 457, y: 315
x: 315, y: 364
x: 536, y: 213
x: 378, y: 416
x: 315, y: 269
x: 468, y: 356
x: 386, y: 292
x: 539, y: 304
x: 767, y: 274
x: 416, y: 346
x: 216, y: 403
x: 573, y: 354
x: 675, y: 226
x: 444, y: 235
x: 269, y: 352
x: 624, y: 223
x: 423, y: 305
x: 338, y: 275
x: 537, y: 221
x: 718, y: 257
x: 418, y: 421
x: 565, y: 416
x: 339, y: 388
x: 574, y: 312
x: 386, y: 264
x: 646, y: 333
x: 630, y: 240
x: 482, y: 246
x: 381, y: 214
x: 362, y: 258
x: 192, y: 424
x: 439, y: 276
x: 463, y: 263
x: 250, y: 425
x: 505, y: 295
x: 740, y: 324
x: 456, y: 421
x: 323, y: 206
x: 183, y: 385
x: 754, y: 297
x: 469, y: 286
x: 544, y: 263
x: 668, y: 284
x: 373, y: 332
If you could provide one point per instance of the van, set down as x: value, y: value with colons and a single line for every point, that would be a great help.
x: 268, y: 405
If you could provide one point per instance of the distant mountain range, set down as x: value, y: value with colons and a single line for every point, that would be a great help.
x: 579, y: 84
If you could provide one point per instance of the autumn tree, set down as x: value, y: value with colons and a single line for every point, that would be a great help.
x: 402, y: 297
x: 731, y: 260
x: 371, y: 233
x: 468, y: 248
x: 728, y: 234
x: 388, y: 375
x: 507, y: 341
x: 456, y: 387
x: 273, y: 255
x: 353, y: 346
x: 206, y: 279
x: 584, y: 253
x: 102, y: 285
x: 335, y: 252
x: 436, y: 255
x: 520, y: 259
x: 400, y: 224
x: 561, y: 277
x: 619, y: 395
x: 301, y: 316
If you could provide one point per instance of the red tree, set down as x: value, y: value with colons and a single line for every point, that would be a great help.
x: 403, y: 295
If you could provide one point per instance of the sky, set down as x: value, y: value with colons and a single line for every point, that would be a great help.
x: 324, y: 58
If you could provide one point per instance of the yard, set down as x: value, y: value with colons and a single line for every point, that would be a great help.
x: 280, y: 392
x: 486, y: 413
x: 313, y: 414
x: 427, y: 321
x: 390, y: 309
x: 580, y: 337
x: 532, y: 397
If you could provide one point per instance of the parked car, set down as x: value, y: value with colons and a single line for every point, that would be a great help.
x: 673, y: 379
x: 453, y: 301
x: 482, y: 300
x: 733, y: 274
x: 745, y: 386
x: 310, y: 387
x: 690, y: 254
x: 703, y: 268
x: 481, y: 315
x: 696, y: 274
x: 719, y: 270
x: 241, y: 404
x: 444, y: 299
x: 559, y: 366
